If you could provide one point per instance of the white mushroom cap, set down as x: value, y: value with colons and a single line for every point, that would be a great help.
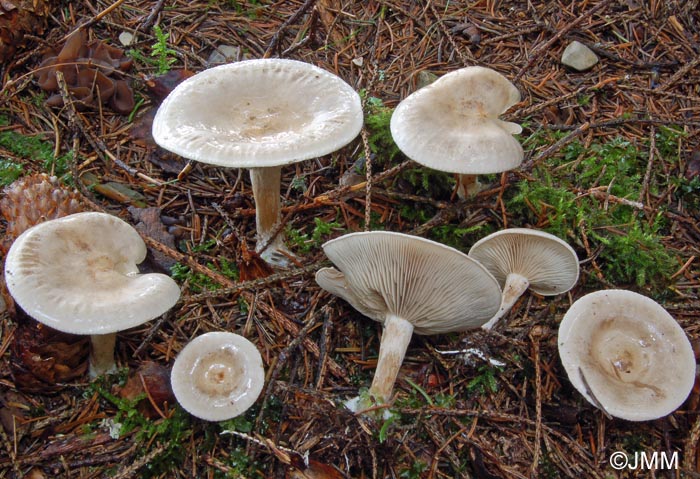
x: 452, y: 124
x: 258, y: 113
x: 549, y: 263
x: 626, y: 354
x: 78, y: 274
x: 217, y: 376
x: 436, y: 288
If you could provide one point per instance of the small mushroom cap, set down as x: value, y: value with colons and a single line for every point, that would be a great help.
x: 78, y: 274
x: 548, y: 263
x: 258, y: 113
x: 217, y: 376
x: 436, y: 288
x: 624, y: 352
x: 452, y: 124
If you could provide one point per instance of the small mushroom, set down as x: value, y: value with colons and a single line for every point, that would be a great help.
x: 452, y: 125
x: 522, y: 258
x: 217, y: 376
x: 408, y: 284
x: 78, y: 274
x: 261, y: 115
x: 626, y: 354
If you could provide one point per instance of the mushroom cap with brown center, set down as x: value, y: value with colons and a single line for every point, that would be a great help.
x: 258, y: 113
x: 626, y: 354
x: 452, y: 124
x: 549, y: 263
x: 436, y: 288
x: 217, y: 376
x: 78, y: 274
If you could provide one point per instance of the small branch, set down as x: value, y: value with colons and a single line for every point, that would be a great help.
x: 274, y: 42
x: 535, y: 56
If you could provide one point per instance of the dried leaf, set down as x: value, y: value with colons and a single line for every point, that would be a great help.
x: 314, y: 470
x: 161, y: 86
x: 153, y: 380
x: 149, y: 223
x: 251, y: 265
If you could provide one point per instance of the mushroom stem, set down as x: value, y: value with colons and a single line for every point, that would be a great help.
x: 392, y: 349
x: 102, y: 354
x: 515, y: 286
x: 265, y: 182
x: 468, y: 186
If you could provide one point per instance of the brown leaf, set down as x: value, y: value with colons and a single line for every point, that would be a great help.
x: 251, y: 265
x: 149, y: 222
x: 152, y: 379
x: 693, y: 168
x: 161, y: 86
x: 12, y: 416
x: 17, y: 19
x: 314, y: 470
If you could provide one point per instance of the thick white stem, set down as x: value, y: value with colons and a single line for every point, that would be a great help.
x: 515, y: 286
x: 102, y: 354
x: 392, y: 349
x: 266, y: 192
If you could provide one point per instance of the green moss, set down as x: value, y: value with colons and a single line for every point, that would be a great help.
x: 567, y: 196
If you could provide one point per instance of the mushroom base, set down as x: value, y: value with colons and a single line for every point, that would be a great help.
x: 468, y: 186
x: 265, y: 183
x: 102, y: 354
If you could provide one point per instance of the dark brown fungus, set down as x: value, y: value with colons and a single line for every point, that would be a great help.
x: 93, y: 73
x: 123, y: 99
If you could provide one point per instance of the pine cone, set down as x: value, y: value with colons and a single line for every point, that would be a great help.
x: 29, y: 201
x: 32, y: 200
x: 43, y: 359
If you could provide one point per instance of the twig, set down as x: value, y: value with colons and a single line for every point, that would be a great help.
x: 274, y: 42
x: 650, y: 164
x: 97, y: 144
x: 133, y: 468
x: 344, y: 190
x: 97, y: 17
x: 535, y: 56
x: 681, y: 73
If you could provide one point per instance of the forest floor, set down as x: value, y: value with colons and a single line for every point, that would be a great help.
x: 612, y: 165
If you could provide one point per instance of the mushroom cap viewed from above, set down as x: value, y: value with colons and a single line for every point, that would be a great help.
x: 452, y: 124
x: 549, y: 263
x: 258, y: 113
x: 78, y: 274
x: 436, y: 288
x: 218, y: 376
x: 626, y: 355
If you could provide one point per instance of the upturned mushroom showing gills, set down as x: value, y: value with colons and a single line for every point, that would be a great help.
x: 78, y: 274
x: 626, y: 355
x: 217, y: 376
x: 261, y: 115
x: 452, y: 125
x: 522, y: 258
x: 409, y: 284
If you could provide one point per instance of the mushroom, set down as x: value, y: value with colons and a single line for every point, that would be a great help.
x: 78, y: 274
x: 217, y: 376
x: 261, y: 115
x: 522, y: 258
x: 408, y: 284
x: 452, y: 125
x: 626, y: 354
